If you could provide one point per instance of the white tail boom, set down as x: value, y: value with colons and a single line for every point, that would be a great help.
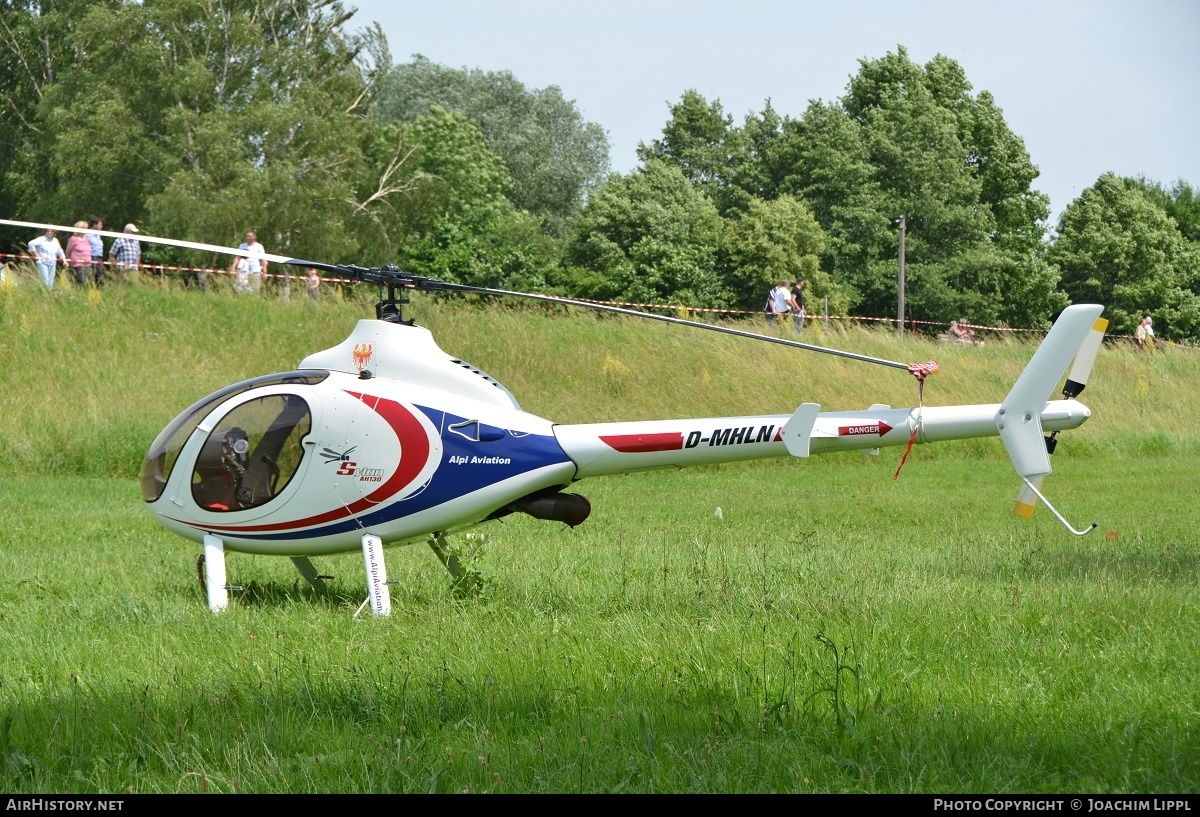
x: 1020, y: 421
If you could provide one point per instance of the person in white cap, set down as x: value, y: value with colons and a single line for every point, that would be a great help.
x: 126, y: 253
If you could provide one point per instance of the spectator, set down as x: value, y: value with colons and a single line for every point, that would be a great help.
x: 798, y: 313
x: 253, y: 264
x: 97, y: 244
x: 79, y: 254
x: 1147, y: 327
x: 313, y: 285
x: 126, y: 253
x: 196, y: 277
x: 779, y: 302
x: 47, y: 252
x: 241, y: 275
x: 961, y: 332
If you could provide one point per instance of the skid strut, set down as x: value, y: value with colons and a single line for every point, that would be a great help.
x: 379, y: 595
x: 1058, y: 515
x: 214, y: 574
x: 309, y: 572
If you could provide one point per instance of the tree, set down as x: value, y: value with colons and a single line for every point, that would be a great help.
x: 47, y: 49
x: 702, y: 142
x: 913, y: 141
x: 1180, y: 201
x: 243, y: 113
x: 998, y: 159
x: 553, y: 154
x: 649, y: 237
x: 1117, y: 247
x: 764, y: 160
x: 904, y: 139
x: 777, y: 241
x: 921, y: 167
x: 465, y: 229
x: 824, y: 161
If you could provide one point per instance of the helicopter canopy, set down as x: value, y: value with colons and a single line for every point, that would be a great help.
x: 248, y: 456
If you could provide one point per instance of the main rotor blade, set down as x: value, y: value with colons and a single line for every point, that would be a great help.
x: 430, y: 283
x: 396, y: 276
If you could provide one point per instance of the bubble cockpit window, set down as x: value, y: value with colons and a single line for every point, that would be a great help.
x: 251, y: 456
x: 156, y: 468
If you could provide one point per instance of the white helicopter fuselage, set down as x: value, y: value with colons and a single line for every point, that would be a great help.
x: 387, y: 435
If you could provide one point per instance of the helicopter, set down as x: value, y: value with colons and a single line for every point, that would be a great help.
x: 386, y: 439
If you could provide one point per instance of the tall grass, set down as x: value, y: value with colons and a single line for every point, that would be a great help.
x: 832, y: 629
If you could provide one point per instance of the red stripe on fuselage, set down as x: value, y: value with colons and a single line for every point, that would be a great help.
x: 640, y: 443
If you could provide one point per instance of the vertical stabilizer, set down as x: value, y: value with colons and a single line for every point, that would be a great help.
x: 1019, y: 418
x: 797, y: 431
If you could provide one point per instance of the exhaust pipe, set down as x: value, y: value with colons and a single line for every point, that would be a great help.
x: 555, y: 506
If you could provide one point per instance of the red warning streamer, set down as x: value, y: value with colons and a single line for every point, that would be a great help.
x: 920, y: 371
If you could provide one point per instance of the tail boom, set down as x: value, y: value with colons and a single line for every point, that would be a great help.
x: 599, y: 449
x: 1021, y: 422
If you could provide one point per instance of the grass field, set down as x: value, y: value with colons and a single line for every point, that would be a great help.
x: 832, y: 630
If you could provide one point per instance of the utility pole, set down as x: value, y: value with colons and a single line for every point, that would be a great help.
x: 900, y: 283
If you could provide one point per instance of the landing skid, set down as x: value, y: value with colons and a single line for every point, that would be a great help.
x: 210, y: 569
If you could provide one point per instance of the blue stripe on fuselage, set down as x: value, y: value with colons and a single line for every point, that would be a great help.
x: 455, y: 477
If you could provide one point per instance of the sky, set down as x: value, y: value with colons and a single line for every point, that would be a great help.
x: 1091, y: 87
